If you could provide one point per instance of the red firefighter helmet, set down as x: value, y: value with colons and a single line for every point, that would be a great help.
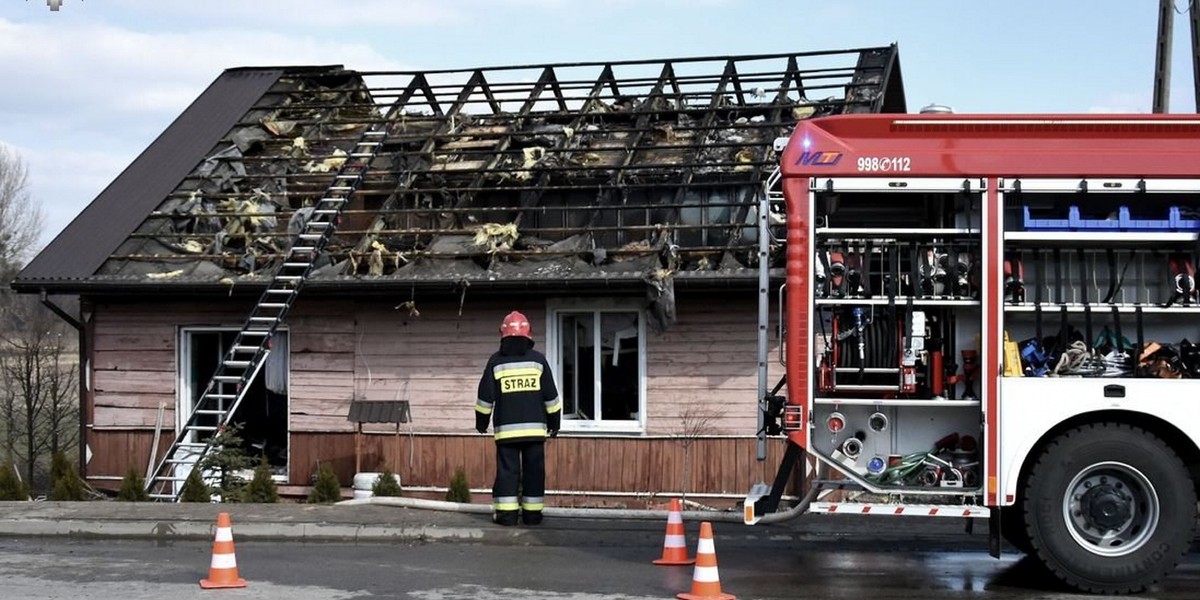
x: 515, y: 324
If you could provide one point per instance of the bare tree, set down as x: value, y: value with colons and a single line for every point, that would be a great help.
x: 8, y: 421
x: 694, y: 423
x: 21, y: 219
x: 37, y: 389
x: 34, y: 368
x: 62, y: 410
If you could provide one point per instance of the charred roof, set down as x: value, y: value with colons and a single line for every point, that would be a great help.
x: 541, y: 173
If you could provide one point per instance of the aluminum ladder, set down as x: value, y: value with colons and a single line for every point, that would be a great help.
x: 248, y: 353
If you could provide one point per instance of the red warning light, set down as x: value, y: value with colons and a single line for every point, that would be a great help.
x: 835, y: 422
x: 793, y: 418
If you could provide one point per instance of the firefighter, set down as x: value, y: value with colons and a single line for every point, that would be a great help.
x: 517, y: 394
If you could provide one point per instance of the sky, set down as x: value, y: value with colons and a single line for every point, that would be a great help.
x: 84, y: 89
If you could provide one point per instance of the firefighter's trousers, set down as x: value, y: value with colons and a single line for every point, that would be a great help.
x: 520, y: 466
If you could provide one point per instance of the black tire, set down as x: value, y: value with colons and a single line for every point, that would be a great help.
x: 1109, y: 508
x: 1013, y: 529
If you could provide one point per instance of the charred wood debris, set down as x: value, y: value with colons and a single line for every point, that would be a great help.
x: 634, y: 170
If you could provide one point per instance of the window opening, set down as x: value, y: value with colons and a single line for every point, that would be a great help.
x: 263, y: 412
x: 601, y: 363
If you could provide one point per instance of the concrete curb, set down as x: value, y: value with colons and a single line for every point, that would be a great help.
x: 364, y: 523
x: 192, y: 530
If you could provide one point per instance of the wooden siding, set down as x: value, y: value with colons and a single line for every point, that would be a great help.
x: 637, y: 466
x: 114, y: 452
x: 702, y: 381
x: 634, y: 465
x: 703, y: 370
x: 133, y: 365
x: 434, y: 361
x: 321, y: 380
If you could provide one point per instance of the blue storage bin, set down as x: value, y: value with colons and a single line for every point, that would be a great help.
x: 1179, y: 223
x: 1174, y: 220
x: 1032, y: 224
x: 1128, y: 223
x: 1078, y: 223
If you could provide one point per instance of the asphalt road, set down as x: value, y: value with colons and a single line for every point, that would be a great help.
x: 61, y: 568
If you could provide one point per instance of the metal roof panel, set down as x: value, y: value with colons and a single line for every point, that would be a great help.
x: 95, y: 233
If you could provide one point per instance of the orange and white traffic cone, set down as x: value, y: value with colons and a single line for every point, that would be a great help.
x: 706, y: 583
x: 223, y: 572
x: 675, y: 543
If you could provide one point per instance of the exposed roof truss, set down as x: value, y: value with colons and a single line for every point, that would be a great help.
x: 542, y: 172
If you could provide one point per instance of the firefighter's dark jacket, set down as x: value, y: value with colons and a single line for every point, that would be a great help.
x: 517, y: 394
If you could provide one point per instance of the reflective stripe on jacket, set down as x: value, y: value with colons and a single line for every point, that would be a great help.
x: 517, y: 394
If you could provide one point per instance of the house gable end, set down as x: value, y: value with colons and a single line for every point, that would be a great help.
x: 85, y: 243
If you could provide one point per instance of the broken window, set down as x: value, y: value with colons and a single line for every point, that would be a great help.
x: 600, y: 359
x: 263, y: 411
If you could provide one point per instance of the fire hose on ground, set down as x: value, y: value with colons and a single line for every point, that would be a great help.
x: 592, y: 513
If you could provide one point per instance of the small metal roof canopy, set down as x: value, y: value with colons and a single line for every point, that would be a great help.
x: 377, y: 411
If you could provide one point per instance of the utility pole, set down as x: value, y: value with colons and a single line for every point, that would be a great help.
x: 1162, y: 58
x: 1194, y: 17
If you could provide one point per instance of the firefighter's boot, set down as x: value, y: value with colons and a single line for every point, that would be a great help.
x: 507, y: 518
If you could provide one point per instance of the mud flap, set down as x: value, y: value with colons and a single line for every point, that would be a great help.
x: 994, y: 533
x: 760, y: 502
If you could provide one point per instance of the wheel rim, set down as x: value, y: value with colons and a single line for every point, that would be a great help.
x: 1111, y: 509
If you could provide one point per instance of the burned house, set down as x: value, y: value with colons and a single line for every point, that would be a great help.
x: 613, y: 203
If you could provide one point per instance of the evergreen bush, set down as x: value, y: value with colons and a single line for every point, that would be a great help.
x: 226, y: 459
x: 261, y: 488
x: 133, y: 487
x: 194, y: 489
x: 459, y: 490
x: 11, y: 488
x: 66, y: 486
x: 326, y: 489
x: 59, y: 466
x: 386, y: 484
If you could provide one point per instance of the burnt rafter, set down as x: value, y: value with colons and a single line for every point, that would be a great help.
x: 718, y: 96
x: 430, y: 143
x: 606, y: 78
x: 531, y: 196
x: 728, y: 77
x: 645, y: 111
x: 791, y: 75
x: 487, y: 169
x: 422, y: 84
x: 753, y: 156
x: 546, y: 80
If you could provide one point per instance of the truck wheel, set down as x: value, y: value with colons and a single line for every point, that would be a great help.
x: 1109, y: 508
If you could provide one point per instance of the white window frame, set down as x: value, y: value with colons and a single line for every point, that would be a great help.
x: 554, y: 356
x: 183, y: 395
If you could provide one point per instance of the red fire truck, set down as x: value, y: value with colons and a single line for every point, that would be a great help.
x: 991, y: 316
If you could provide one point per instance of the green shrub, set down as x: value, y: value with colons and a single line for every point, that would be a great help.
x: 59, y: 466
x: 226, y: 459
x: 11, y: 488
x: 261, y: 488
x: 133, y: 487
x: 386, y: 484
x: 459, y: 490
x: 66, y: 484
x: 194, y: 489
x: 326, y: 489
